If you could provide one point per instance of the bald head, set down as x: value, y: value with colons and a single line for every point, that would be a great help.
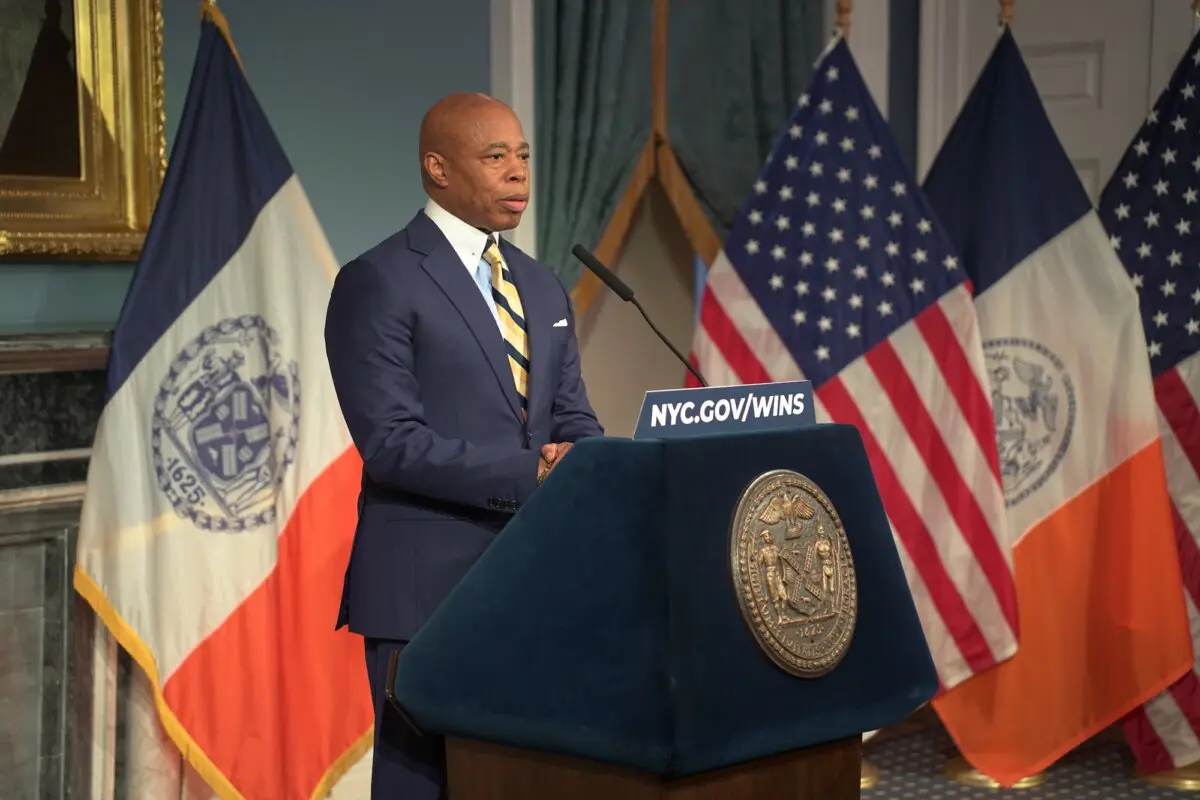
x: 444, y: 123
x: 474, y: 160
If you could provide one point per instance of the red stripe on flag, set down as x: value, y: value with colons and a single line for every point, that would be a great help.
x: 960, y: 500
x: 1181, y: 414
x: 913, y: 534
x: 1152, y: 755
x: 952, y: 361
x: 1179, y: 407
x: 1186, y: 693
x: 1144, y: 739
x: 275, y: 695
x: 726, y: 337
x: 1189, y: 554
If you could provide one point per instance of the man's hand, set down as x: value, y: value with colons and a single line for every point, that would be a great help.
x: 551, y: 455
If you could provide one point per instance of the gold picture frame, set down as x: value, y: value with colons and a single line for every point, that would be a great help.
x: 97, y: 207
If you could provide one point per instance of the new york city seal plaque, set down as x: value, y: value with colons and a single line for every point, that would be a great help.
x: 793, y: 573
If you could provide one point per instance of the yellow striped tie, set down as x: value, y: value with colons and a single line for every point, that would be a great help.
x: 512, y: 320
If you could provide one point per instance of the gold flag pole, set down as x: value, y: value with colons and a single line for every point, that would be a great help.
x: 1006, y: 12
x: 958, y: 769
x: 868, y: 774
x: 1185, y: 778
x: 844, y: 7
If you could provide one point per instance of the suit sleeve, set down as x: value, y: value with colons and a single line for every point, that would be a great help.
x: 574, y: 418
x: 369, y: 342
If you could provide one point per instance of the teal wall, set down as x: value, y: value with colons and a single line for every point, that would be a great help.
x: 344, y: 85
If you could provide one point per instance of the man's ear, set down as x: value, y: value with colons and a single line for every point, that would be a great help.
x: 435, y: 167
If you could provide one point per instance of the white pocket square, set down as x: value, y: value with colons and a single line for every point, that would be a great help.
x: 562, y: 323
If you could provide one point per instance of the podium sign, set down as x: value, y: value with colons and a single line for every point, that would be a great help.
x: 676, y: 413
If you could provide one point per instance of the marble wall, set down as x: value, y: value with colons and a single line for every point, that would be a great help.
x: 47, y: 421
x: 51, y: 393
x: 45, y: 649
x: 77, y: 718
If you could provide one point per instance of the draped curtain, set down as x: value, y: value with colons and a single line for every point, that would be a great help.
x: 593, y: 105
x: 734, y: 70
x: 732, y: 74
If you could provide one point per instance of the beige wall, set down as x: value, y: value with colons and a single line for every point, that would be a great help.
x: 622, y: 358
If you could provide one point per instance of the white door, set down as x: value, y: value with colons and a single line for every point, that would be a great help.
x: 1098, y: 65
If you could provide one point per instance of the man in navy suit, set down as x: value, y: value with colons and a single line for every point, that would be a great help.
x: 457, y: 370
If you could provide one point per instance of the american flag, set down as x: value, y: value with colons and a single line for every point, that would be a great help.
x: 838, y: 271
x: 1151, y: 209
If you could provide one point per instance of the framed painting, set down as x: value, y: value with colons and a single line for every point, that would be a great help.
x: 82, y: 141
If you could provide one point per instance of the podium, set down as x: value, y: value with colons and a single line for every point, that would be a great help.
x: 602, y: 647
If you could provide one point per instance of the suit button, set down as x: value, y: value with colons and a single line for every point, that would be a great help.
x: 528, y: 436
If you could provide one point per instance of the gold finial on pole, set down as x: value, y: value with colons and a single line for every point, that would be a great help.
x: 1006, y: 7
x: 210, y: 12
x: 843, y: 16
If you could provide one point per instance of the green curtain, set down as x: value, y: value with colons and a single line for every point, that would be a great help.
x: 592, y: 118
x: 733, y: 72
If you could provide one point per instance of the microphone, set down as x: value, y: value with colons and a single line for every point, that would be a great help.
x: 622, y: 290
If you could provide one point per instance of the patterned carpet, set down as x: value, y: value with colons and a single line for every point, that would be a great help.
x: 910, y: 761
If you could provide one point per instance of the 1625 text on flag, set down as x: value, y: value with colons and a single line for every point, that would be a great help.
x: 221, y: 496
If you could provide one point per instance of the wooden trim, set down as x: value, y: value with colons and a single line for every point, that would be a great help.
x: 57, y: 352
x: 87, y: 360
x: 658, y: 68
x: 480, y: 770
x: 618, y: 226
x: 699, y: 230
x: 622, y: 218
x: 617, y: 229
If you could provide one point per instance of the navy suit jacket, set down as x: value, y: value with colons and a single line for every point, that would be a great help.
x: 423, y: 381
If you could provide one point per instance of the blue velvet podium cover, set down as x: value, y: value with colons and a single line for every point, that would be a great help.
x: 603, y: 623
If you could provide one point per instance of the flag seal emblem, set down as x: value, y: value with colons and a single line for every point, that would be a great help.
x: 225, y: 425
x: 793, y: 573
x: 1033, y: 401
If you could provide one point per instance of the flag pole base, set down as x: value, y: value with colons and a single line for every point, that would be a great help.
x: 958, y: 770
x: 1185, y: 779
x: 868, y: 775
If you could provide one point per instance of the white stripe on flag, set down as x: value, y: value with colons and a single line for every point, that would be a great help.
x: 753, y: 327
x: 1110, y: 387
x: 923, y: 492
x: 1170, y: 723
x: 728, y: 290
x: 132, y: 542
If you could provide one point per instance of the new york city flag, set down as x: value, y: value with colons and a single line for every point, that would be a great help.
x: 221, y: 497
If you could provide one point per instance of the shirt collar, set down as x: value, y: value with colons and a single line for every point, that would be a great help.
x: 467, y: 241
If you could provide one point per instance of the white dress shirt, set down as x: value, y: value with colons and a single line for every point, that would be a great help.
x: 468, y: 243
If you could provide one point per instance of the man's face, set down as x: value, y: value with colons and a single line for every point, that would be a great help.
x: 487, y: 169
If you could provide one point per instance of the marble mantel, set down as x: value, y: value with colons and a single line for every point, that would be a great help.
x: 51, y: 393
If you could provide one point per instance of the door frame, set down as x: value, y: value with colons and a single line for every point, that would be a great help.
x: 944, y: 80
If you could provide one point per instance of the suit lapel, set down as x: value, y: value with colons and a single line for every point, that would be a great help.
x: 446, y: 269
x: 536, y: 325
